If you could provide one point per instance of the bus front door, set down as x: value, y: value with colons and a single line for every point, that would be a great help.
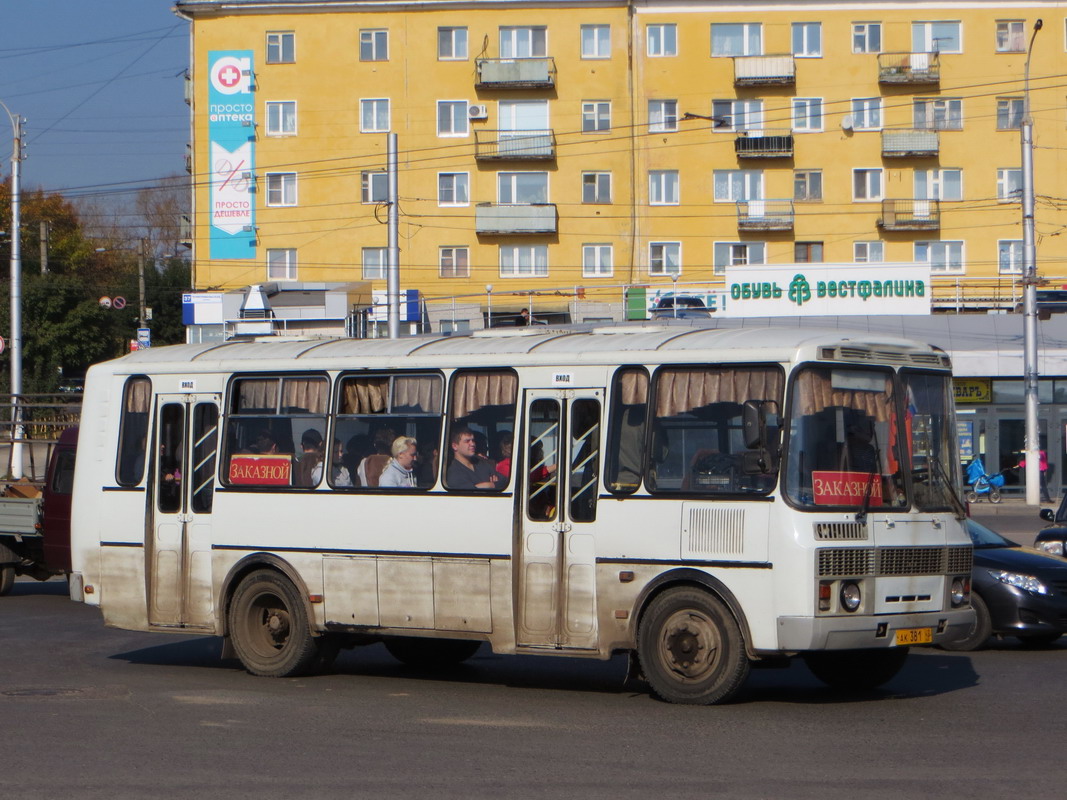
x: 182, y: 478
x: 556, y: 562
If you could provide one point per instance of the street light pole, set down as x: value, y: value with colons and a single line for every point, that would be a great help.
x: 15, y: 333
x: 1030, y: 369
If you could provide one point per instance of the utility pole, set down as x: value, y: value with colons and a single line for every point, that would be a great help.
x: 141, y: 321
x: 393, y: 256
x: 15, y: 333
x: 44, y: 247
x: 1030, y: 370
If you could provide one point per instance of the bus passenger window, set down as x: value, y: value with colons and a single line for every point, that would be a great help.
x: 584, y: 458
x: 170, y: 467
x: 133, y: 431
x: 481, y: 427
x: 542, y: 460
x: 629, y: 411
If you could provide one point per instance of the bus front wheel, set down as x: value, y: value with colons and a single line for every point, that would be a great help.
x: 269, y: 627
x: 856, y: 670
x: 691, y: 649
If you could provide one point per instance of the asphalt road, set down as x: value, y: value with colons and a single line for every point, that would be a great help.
x: 91, y: 712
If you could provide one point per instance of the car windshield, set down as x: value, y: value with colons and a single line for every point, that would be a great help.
x: 984, y: 538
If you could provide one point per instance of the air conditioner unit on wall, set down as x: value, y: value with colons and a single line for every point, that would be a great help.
x: 477, y: 112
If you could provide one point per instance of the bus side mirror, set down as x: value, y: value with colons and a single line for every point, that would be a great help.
x: 753, y: 424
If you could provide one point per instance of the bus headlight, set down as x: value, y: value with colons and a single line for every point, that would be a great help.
x: 961, y: 591
x: 850, y: 596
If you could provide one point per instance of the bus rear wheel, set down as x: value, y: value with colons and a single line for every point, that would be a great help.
x: 691, y: 649
x: 7, y: 578
x: 856, y: 670
x: 269, y: 627
x: 430, y: 653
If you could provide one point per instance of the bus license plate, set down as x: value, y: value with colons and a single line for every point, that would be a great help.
x: 915, y: 636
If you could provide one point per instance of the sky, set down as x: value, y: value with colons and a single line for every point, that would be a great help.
x: 101, y: 87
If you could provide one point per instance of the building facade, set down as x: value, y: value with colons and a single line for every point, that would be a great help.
x: 563, y: 151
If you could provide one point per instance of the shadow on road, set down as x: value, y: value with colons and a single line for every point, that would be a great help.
x: 49, y: 587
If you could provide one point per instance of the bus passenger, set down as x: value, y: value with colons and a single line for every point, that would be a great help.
x: 339, y: 476
x: 399, y: 473
x: 468, y: 470
x: 309, y: 467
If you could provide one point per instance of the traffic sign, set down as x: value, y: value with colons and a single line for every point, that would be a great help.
x: 105, y: 302
x: 119, y: 303
x: 3, y: 344
x: 144, y: 338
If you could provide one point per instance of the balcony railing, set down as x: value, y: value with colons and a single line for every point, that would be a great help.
x: 765, y: 70
x: 777, y: 143
x: 909, y: 67
x: 515, y: 73
x: 500, y: 219
x: 902, y: 143
x: 910, y: 215
x: 514, y: 145
x: 765, y: 215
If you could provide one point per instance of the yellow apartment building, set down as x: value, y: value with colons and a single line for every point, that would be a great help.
x: 563, y: 152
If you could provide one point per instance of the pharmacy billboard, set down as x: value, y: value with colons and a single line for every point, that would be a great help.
x: 231, y: 154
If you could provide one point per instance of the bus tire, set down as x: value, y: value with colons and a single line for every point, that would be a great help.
x: 7, y: 578
x: 269, y: 628
x: 430, y: 653
x: 856, y: 670
x: 691, y: 649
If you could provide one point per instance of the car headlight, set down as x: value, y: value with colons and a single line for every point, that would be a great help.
x: 1053, y: 547
x: 1027, y: 582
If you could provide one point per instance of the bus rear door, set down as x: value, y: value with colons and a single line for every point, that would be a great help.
x: 556, y: 562
x: 183, y: 480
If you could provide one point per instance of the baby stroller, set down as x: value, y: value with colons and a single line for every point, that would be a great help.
x: 981, y: 483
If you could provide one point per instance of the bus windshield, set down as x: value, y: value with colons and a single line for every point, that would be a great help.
x: 931, y: 441
x: 843, y: 434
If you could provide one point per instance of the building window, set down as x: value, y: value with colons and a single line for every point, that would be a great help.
x: 281, y: 47
x: 596, y: 116
x: 736, y: 39
x: 374, y: 115
x: 867, y: 184
x: 664, y: 258
x: 596, y: 41
x: 807, y: 39
x: 662, y: 39
x: 731, y: 185
x: 807, y: 114
x: 737, y: 115
x: 452, y: 118
x: 939, y: 184
x: 597, y: 261
x: 281, y: 188
x: 523, y: 260
x: 455, y: 262
x: 737, y: 254
x: 1009, y: 113
x: 1010, y: 256
x: 868, y: 252
x: 451, y: 44
x: 943, y: 257
x: 453, y: 189
x: 867, y: 113
x: 866, y: 37
x: 1011, y: 36
x: 1009, y: 185
x: 374, y: 45
x: 596, y: 187
x: 375, y: 187
x: 375, y: 263
x: 938, y: 113
x: 281, y: 264
x: 662, y: 116
x: 523, y: 42
x: 807, y: 185
x: 281, y: 118
x: 522, y: 187
x: 663, y: 187
x: 807, y: 252
x: 936, y: 37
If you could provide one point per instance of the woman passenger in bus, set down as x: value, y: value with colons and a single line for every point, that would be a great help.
x: 339, y: 476
x: 309, y: 468
x: 399, y: 473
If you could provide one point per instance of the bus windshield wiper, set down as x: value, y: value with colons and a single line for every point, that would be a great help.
x: 861, y: 515
x: 957, y: 504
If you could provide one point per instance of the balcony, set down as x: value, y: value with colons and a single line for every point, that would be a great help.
x: 502, y: 219
x: 909, y: 67
x: 776, y: 143
x: 910, y: 215
x: 765, y: 215
x: 765, y: 70
x: 515, y: 73
x: 514, y: 145
x: 904, y: 143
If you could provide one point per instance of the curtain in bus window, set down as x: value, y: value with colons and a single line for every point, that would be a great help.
x: 472, y: 391
x: 417, y: 394
x: 365, y: 396
x: 256, y: 395
x: 133, y: 436
x: 680, y: 391
x: 628, y: 418
x: 814, y: 391
x: 307, y: 395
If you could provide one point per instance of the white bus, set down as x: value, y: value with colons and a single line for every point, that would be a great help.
x: 705, y: 499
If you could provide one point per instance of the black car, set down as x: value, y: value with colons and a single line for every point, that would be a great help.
x: 1053, y: 538
x: 680, y: 306
x: 1015, y: 591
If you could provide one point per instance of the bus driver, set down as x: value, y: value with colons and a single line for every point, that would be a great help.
x: 468, y: 470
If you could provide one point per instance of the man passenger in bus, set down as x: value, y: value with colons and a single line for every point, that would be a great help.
x: 264, y: 443
x: 399, y: 473
x: 309, y: 467
x: 468, y: 470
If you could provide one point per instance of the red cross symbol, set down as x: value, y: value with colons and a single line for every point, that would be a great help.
x: 229, y: 76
